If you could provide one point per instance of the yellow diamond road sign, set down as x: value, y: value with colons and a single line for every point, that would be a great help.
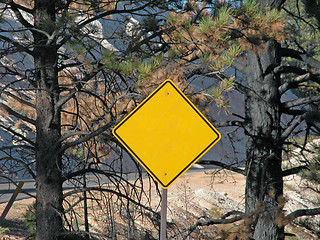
x: 166, y: 133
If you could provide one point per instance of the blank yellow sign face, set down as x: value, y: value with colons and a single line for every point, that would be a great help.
x: 166, y: 133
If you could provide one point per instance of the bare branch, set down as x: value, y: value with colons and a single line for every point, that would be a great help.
x: 294, y: 83
x: 291, y: 127
x: 301, y: 101
x: 223, y: 165
x: 19, y: 47
x: 294, y: 112
x: 100, y: 189
x: 71, y: 134
x: 94, y: 170
x: 226, y: 123
x: 86, y: 137
x: 25, y: 165
x: 15, y: 8
x: 222, y: 220
x: 104, y: 14
x: 28, y: 103
x: 78, y: 86
x: 144, y: 41
x: 294, y: 170
x: 9, y: 129
x: 302, y: 212
x: 16, y: 114
x: 20, y: 7
x: 287, y: 52
x: 289, y: 69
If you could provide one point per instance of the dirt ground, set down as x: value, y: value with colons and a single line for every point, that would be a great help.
x: 199, y: 191
x: 201, y: 181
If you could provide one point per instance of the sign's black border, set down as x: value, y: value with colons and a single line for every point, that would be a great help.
x: 193, y: 107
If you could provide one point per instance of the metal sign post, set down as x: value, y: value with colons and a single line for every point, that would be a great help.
x: 163, y: 223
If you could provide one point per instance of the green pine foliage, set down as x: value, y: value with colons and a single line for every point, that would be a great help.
x: 204, y: 25
x: 224, y: 17
x: 30, y: 218
x: 3, y: 231
x: 146, y: 68
x: 132, y: 65
x: 225, y: 32
x: 217, y: 93
x: 218, y: 34
x: 76, y: 47
x: 49, y: 26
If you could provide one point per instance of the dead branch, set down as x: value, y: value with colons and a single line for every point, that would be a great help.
x: 100, y: 189
x: 222, y: 220
x: 300, y: 213
x: 223, y: 165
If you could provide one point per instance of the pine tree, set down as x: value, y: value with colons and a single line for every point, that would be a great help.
x: 253, y: 38
x: 66, y: 82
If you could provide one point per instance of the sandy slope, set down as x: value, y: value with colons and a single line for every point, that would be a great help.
x: 197, y: 192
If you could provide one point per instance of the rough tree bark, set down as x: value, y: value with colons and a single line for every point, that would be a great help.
x: 264, y: 185
x: 48, y: 161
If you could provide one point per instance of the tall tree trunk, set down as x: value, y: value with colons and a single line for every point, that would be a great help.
x: 48, y: 127
x: 264, y: 185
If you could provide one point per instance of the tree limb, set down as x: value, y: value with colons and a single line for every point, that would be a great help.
x: 79, y: 85
x: 287, y: 52
x: 300, y: 213
x: 301, y: 101
x: 223, y: 165
x: 102, y: 15
x: 93, y: 170
x: 226, y: 123
x: 18, y: 46
x: 16, y: 114
x: 71, y: 134
x: 294, y: 83
x: 28, y: 103
x: 222, y: 220
x: 80, y: 190
x: 15, y: 8
x: 289, y: 69
x: 25, y: 165
x: 86, y: 137
x: 294, y: 112
x: 294, y: 170
x: 21, y: 7
x: 291, y: 127
x: 9, y: 129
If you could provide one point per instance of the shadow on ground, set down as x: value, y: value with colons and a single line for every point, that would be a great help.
x: 15, y: 227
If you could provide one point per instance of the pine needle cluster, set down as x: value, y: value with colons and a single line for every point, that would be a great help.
x: 216, y: 36
x: 220, y: 36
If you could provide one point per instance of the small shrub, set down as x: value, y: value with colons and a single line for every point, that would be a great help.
x: 3, y: 230
x: 30, y: 216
